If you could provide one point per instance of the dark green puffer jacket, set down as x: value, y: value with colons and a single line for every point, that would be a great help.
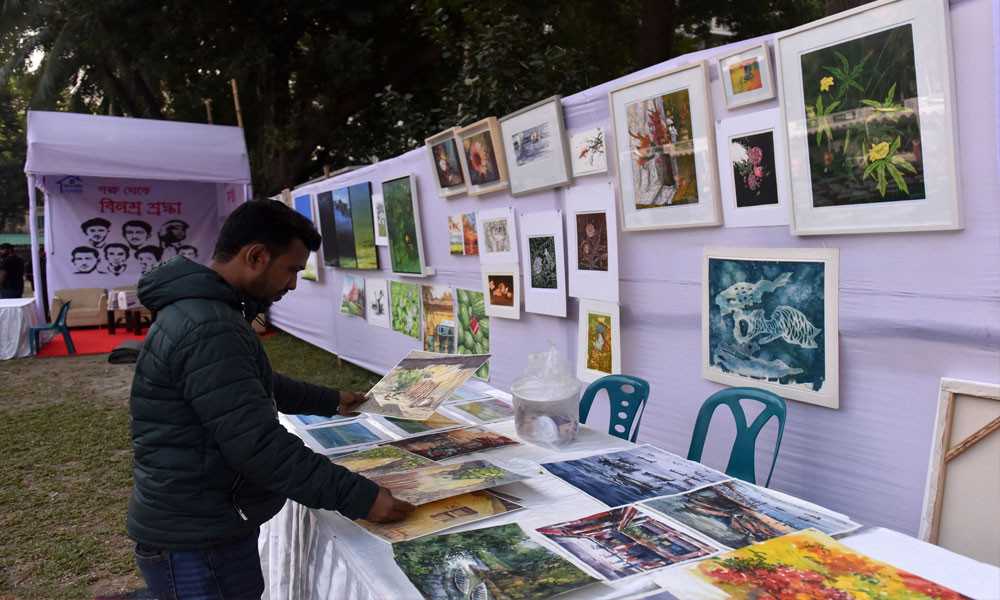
x: 211, y: 460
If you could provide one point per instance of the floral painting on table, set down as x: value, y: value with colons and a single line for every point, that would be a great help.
x: 470, y: 235
x: 623, y: 541
x: 662, y: 145
x: 456, y: 244
x: 542, y: 257
x: 473, y: 327
x: 495, y: 562
x: 745, y: 76
x: 754, y: 169
x: 807, y: 564
x: 862, y: 112
x: 592, y: 241
x: 353, y: 298
x: 481, y: 158
x: 405, y: 299
x: 588, y: 153
x: 439, y: 318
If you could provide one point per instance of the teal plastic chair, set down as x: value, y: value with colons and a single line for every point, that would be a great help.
x: 626, y: 407
x: 59, y: 325
x: 741, y: 460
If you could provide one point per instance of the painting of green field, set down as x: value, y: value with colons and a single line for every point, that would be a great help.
x: 404, y: 250
x: 364, y: 225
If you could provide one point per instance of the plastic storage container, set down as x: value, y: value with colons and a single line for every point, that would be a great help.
x: 547, y: 400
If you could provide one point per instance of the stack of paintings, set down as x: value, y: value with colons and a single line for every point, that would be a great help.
x: 457, y: 442
x: 380, y: 460
x: 434, y: 482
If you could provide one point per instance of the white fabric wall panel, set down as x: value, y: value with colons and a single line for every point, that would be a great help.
x: 913, y: 307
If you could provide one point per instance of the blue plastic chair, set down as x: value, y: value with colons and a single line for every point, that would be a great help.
x: 741, y: 460
x: 59, y: 325
x: 626, y: 407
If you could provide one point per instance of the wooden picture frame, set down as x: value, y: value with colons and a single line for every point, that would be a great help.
x: 402, y: 205
x: 484, y: 165
x: 534, y: 143
x: 746, y: 75
x: 447, y: 163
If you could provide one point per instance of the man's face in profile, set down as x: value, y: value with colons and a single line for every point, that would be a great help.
x: 96, y: 234
x: 85, y: 262
x: 135, y: 236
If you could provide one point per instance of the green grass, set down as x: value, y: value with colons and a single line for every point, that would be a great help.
x: 66, y: 477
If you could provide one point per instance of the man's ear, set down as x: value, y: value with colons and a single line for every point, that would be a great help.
x: 256, y: 256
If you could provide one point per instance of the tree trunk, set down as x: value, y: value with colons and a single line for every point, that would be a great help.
x: 656, y: 31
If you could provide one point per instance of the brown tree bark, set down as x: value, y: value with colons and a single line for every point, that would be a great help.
x: 656, y: 31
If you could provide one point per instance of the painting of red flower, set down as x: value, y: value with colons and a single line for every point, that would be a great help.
x: 481, y: 158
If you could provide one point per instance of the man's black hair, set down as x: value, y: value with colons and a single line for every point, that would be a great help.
x: 116, y: 245
x: 6, y: 246
x: 137, y: 223
x: 154, y: 250
x: 264, y: 222
x: 86, y: 249
x: 95, y: 221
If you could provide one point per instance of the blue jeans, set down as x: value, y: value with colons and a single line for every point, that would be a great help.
x: 231, y: 571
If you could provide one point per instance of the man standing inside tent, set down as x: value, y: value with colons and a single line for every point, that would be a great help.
x: 212, y: 462
x: 11, y: 273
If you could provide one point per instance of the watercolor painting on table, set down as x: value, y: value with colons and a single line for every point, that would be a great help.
x: 465, y: 392
x: 588, y: 153
x: 366, y: 256
x: 627, y: 476
x: 862, y: 110
x: 499, y: 562
x: 592, y: 241
x: 662, y: 145
x: 753, y: 164
x: 408, y: 427
x: 377, y: 309
x: 456, y: 245
x: 772, y: 321
x: 381, y: 460
x: 542, y: 257
x: 808, y: 564
x: 352, y: 299
x: 439, y: 318
x: 738, y: 514
x: 434, y: 482
x: 470, y: 234
x: 317, y: 419
x: 489, y: 410
x: 456, y: 442
x: 473, y: 327
x: 439, y: 515
x: 419, y: 384
x: 343, y: 220
x: 345, y: 434
x: 623, y: 542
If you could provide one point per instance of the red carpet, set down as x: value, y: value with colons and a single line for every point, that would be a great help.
x: 88, y: 341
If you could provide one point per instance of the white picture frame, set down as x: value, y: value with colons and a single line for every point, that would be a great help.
x: 487, y: 161
x: 764, y: 311
x: 496, y: 232
x: 402, y: 258
x: 666, y: 176
x: 588, y: 282
x: 736, y: 191
x: 447, y: 163
x: 746, y: 60
x: 507, y: 275
x: 376, y: 292
x: 543, y: 247
x: 591, y: 348
x: 930, y: 147
x: 534, y: 143
x: 379, y: 219
x: 588, y: 152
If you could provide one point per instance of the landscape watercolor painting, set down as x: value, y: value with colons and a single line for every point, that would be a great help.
x: 500, y: 563
x: 353, y: 297
x: 434, y: 482
x: 487, y: 411
x: 623, y: 542
x: 343, y: 217
x: 662, y: 146
x: 627, y: 476
x: 442, y: 514
x: 439, y: 318
x: 405, y: 299
x: 456, y: 442
x: 409, y: 427
x: 456, y: 244
x: 738, y: 514
x: 532, y: 144
x: 328, y: 227
x: 419, y: 384
x: 404, y: 249
x: 362, y: 219
x: 381, y: 460
x: 344, y: 434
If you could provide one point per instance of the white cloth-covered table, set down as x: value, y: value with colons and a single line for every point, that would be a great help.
x: 17, y: 317
x: 311, y: 554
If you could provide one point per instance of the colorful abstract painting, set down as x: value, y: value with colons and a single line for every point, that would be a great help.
x: 362, y: 220
x: 542, y: 262
x: 808, y: 564
x: 662, y: 151
x: 352, y: 300
x: 599, y: 333
x: 473, y: 327
x: 470, y: 235
x: 344, y: 434
x: 381, y: 460
x: 405, y: 298
x: 419, y: 384
x: 456, y: 245
x: 738, y: 514
x: 745, y: 76
x: 446, y: 163
x: 344, y: 220
x: 627, y: 476
x: 404, y: 250
x: 439, y: 318
x: 481, y: 158
x: 592, y: 241
x: 456, y: 442
x: 442, y: 514
x: 489, y: 410
x: 624, y: 541
x: 434, y: 482
x: 862, y: 111
x: 500, y: 563
x: 753, y: 164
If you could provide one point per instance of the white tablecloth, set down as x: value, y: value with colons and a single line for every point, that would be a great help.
x: 17, y: 316
x: 309, y: 554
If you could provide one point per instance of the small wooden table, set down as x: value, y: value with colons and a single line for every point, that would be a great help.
x: 133, y: 315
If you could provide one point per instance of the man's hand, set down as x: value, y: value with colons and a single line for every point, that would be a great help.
x: 348, y: 400
x: 388, y: 509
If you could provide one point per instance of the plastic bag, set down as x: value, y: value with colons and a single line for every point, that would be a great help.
x: 547, y: 400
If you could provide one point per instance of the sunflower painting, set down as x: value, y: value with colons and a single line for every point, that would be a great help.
x: 481, y: 158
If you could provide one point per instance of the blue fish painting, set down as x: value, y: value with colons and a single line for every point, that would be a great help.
x: 767, y: 319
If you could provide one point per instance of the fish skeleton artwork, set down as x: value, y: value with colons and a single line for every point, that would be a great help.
x: 785, y: 322
x: 743, y: 294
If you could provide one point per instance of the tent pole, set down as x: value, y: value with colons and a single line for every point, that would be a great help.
x: 36, y: 263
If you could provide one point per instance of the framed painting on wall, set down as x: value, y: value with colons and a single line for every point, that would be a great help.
x: 753, y: 169
x: 406, y: 246
x: 378, y: 210
x: 545, y: 262
x: 592, y: 244
x: 363, y: 223
x: 484, y: 167
x: 746, y: 76
x: 599, y: 342
x: 352, y: 300
x: 377, y: 300
x: 588, y: 154
x: 328, y: 228
x: 344, y: 228
x: 665, y: 150
x: 497, y: 236
x: 502, y: 289
x: 534, y: 143
x: 439, y: 318
x: 447, y: 163
x: 404, y: 299
x: 869, y: 120
x: 769, y: 320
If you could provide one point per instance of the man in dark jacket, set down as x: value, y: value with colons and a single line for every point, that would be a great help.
x: 212, y: 462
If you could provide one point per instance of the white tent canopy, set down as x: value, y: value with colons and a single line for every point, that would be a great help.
x: 85, y: 145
